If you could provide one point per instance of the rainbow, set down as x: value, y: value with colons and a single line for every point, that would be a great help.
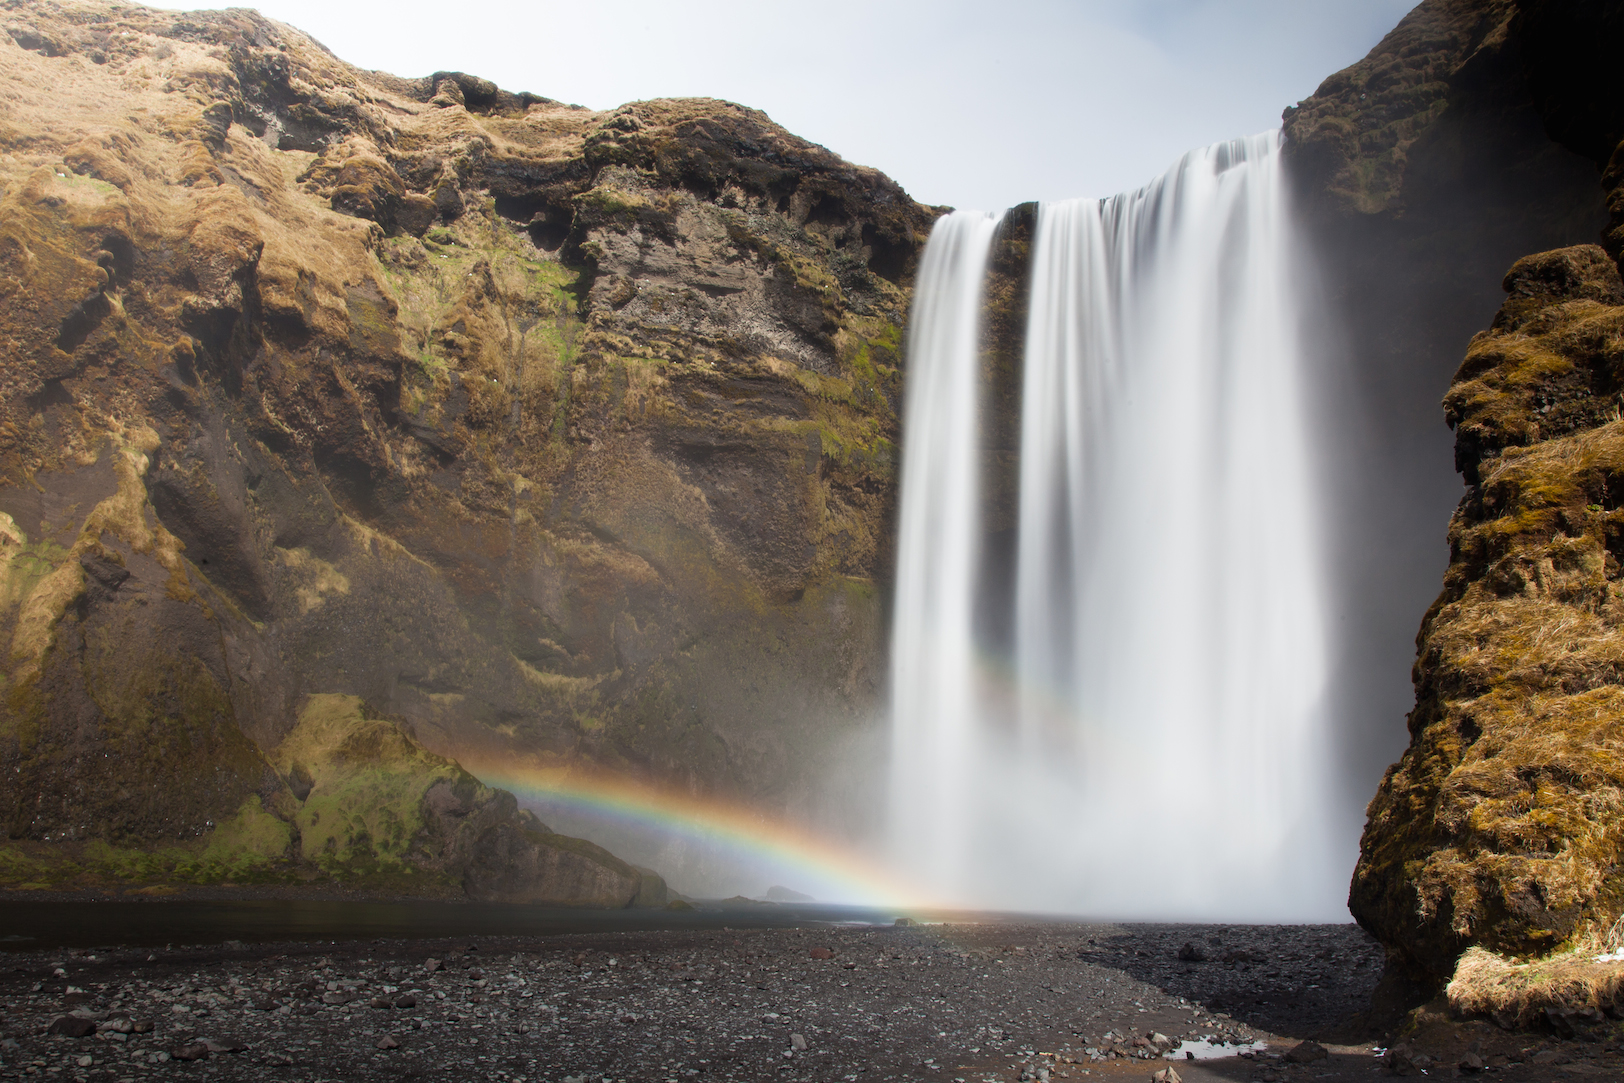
x: 747, y: 832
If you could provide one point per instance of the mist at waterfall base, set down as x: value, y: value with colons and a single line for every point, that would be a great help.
x: 1134, y: 723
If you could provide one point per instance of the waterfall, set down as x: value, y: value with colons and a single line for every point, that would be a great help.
x: 934, y: 720
x: 1150, y: 742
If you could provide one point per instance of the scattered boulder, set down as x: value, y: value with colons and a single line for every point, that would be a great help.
x: 1304, y: 1052
x: 1192, y: 952
x: 388, y: 1041
x: 821, y: 953
x: 72, y: 1026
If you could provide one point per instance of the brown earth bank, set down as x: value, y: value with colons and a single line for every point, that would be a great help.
x: 561, y: 437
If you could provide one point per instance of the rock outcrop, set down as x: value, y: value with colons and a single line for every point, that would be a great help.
x: 351, y: 799
x: 553, y: 433
x: 1423, y: 172
x: 1499, y: 827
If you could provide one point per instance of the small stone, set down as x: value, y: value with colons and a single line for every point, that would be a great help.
x: 797, y: 1042
x: 381, y: 1002
x: 1472, y: 1063
x: 1192, y: 953
x: 388, y: 1042
x: 432, y: 965
x: 406, y: 1000
x: 1304, y: 1052
x: 278, y: 1060
x: 905, y: 922
x: 822, y: 953
x: 195, y: 1051
x: 71, y: 1026
x: 1167, y: 1075
x: 85, y: 1060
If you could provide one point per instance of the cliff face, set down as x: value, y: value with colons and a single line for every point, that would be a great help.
x: 1499, y: 827
x: 1422, y: 173
x: 554, y: 434
x: 1501, y: 824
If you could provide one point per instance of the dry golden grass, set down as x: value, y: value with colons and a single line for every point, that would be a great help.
x: 1517, y: 993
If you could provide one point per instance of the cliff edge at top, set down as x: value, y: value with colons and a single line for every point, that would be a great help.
x: 557, y: 435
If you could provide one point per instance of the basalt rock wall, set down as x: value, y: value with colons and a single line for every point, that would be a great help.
x: 560, y: 436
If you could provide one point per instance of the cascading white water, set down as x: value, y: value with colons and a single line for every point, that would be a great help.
x: 934, y: 720
x: 1153, y: 743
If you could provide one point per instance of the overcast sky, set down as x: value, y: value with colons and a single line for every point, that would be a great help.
x: 966, y: 104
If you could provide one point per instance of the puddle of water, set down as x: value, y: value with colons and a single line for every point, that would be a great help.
x: 1211, y: 1049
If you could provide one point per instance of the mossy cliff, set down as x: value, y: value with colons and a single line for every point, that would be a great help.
x: 350, y: 800
x: 1500, y: 827
x: 553, y: 434
x: 1422, y: 172
x: 1503, y: 824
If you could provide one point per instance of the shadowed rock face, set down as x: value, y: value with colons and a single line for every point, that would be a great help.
x: 562, y: 436
x: 1422, y: 173
x: 1499, y: 825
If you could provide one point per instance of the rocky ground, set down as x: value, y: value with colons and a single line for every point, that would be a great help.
x: 858, y: 1004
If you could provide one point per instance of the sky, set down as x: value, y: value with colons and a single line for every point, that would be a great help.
x: 971, y: 105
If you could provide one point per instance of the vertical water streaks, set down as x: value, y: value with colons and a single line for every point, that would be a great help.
x: 1154, y: 746
x: 935, y: 720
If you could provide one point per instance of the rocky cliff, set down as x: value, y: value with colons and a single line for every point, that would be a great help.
x: 1498, y: 827
x: 1423, y: 172
x: 1501, y: 825
x: 548, y: 433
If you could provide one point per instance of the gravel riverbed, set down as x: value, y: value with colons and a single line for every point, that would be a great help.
x: 961, y: 1003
